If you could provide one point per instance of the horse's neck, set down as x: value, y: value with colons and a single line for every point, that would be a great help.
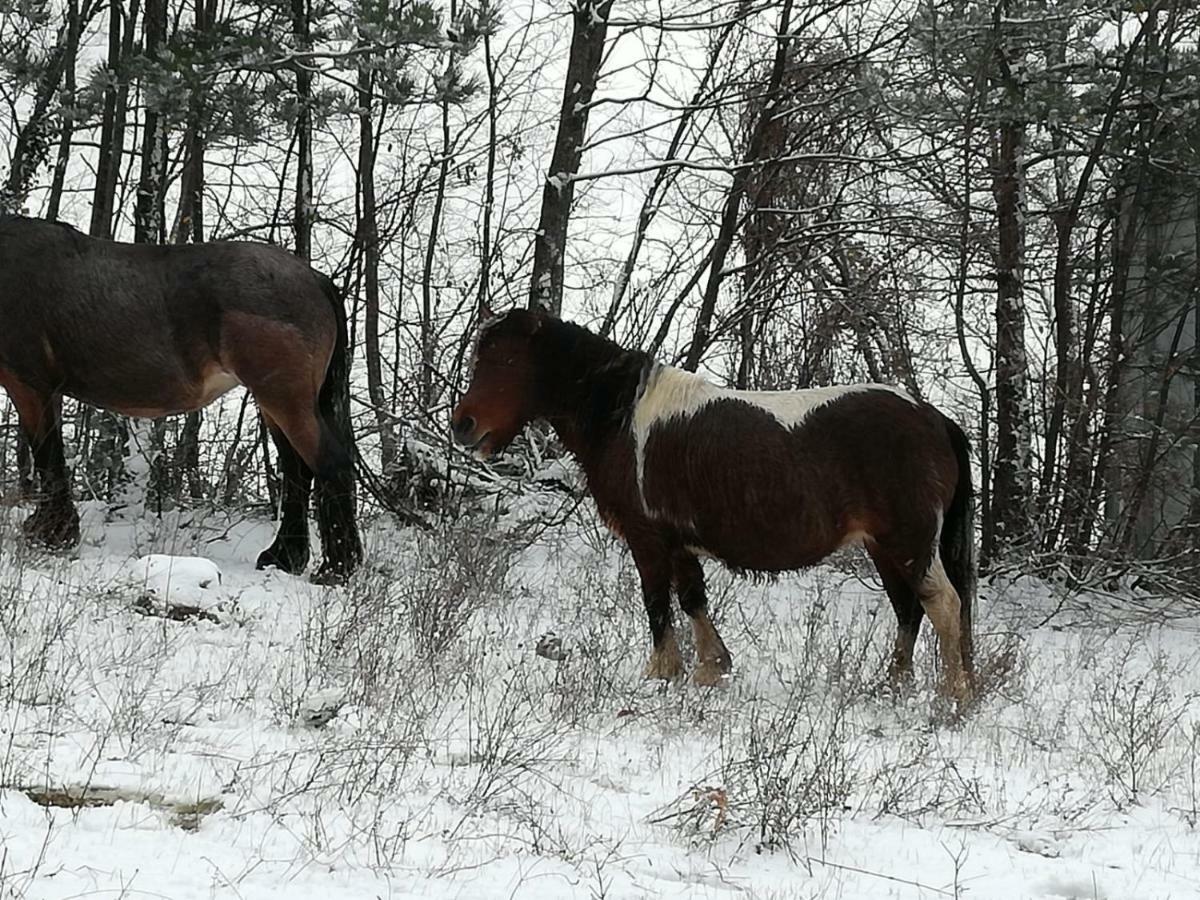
x: 595, y: 392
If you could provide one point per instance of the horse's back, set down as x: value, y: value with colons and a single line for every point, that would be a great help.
x: 147, y: 329
x: 101, y: 277
x: 775, y: 481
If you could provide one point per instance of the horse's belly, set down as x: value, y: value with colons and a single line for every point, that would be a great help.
x: 762, y: 559
x: 152, y: 398
x: 780, y: 543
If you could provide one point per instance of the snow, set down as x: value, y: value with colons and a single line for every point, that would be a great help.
x: 466, y: 719
x: 191, y: 577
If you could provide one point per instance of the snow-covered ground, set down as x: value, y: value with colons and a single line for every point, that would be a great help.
x: 176, y: 724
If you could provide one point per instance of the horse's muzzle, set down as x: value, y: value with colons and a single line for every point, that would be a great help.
x: 467, y: 433
x: 464, y: 430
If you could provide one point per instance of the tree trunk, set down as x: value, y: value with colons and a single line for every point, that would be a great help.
x: 1108, y: 467
x: 1011, y: 471
x: 428, y: 348
x: 1010, y: 489
x: 116, y: 106
x: 1110, y: 464
x: 67, y: 128
x: 304, y: 162
x: 701, y: 334
x: 1195, y: 511
x: 489, y: 184
x: 1075, y: 526
x: 148, y: 221
x: 31, y: 148
x: 148, y: 213
x: 368, y: 236
x: 106, y: 464
x: 189, y: 228
x: 590, y: 29
x: 1067, y: 397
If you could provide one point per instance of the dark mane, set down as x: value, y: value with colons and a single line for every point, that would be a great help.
x: 596, y: 380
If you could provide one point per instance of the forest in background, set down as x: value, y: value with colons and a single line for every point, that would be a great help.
x: 993, y: 205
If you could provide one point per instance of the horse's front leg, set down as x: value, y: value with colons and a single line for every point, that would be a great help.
x: 715, y: 658
x: 653, y: 563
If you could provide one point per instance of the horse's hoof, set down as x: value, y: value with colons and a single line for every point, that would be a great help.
x: 957, y: 690
x: 899, y: 682
x: 664, y: 666
x: 712, y: 672
x: 54, y: 530
x: 329, y: 576
x: 282, y: 559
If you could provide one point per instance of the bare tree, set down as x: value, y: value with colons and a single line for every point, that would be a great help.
x: 368, y: 239
x: 121, y: 36
x: 1011, y: 484
x: 590, y: 28
x: 304, y: 213
x: 701, y: 333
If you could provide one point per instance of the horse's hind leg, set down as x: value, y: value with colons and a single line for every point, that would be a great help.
x: 314, y: 445
x: 336, y: 524
x: 55, y: 521
x: 336, y: 507
x: 944, y: 608
x: 287, y: 375
x: 715, y: 659
x: 909, y: 614
x: 289, y: 551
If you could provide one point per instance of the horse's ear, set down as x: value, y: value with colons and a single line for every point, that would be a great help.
x: 486, y: 313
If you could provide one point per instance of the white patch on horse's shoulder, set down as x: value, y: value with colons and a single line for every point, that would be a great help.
x: 672, y: 392
x: 668, y: 393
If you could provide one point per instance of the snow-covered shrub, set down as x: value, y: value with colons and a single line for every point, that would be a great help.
x: 784, y: 767
x: 1133, y: 713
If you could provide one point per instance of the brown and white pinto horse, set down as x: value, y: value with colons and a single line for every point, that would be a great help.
x: 762, y: 481
x: 147, y: 331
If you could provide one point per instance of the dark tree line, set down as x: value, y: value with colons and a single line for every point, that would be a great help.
x: 994, y: 205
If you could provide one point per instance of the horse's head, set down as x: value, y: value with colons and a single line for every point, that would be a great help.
x: 502, y: 398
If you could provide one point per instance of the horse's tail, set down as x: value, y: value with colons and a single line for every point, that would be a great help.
x: 334, y: 398
x: 957, y: 548
x: 336, y: 503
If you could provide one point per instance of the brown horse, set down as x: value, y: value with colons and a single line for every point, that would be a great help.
x: 152, y: 330
x: 762, y: 481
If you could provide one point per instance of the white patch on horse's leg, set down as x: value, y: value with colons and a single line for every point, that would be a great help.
x: 715, y: 659
x: 665, y: 663
x: 943, y: 607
